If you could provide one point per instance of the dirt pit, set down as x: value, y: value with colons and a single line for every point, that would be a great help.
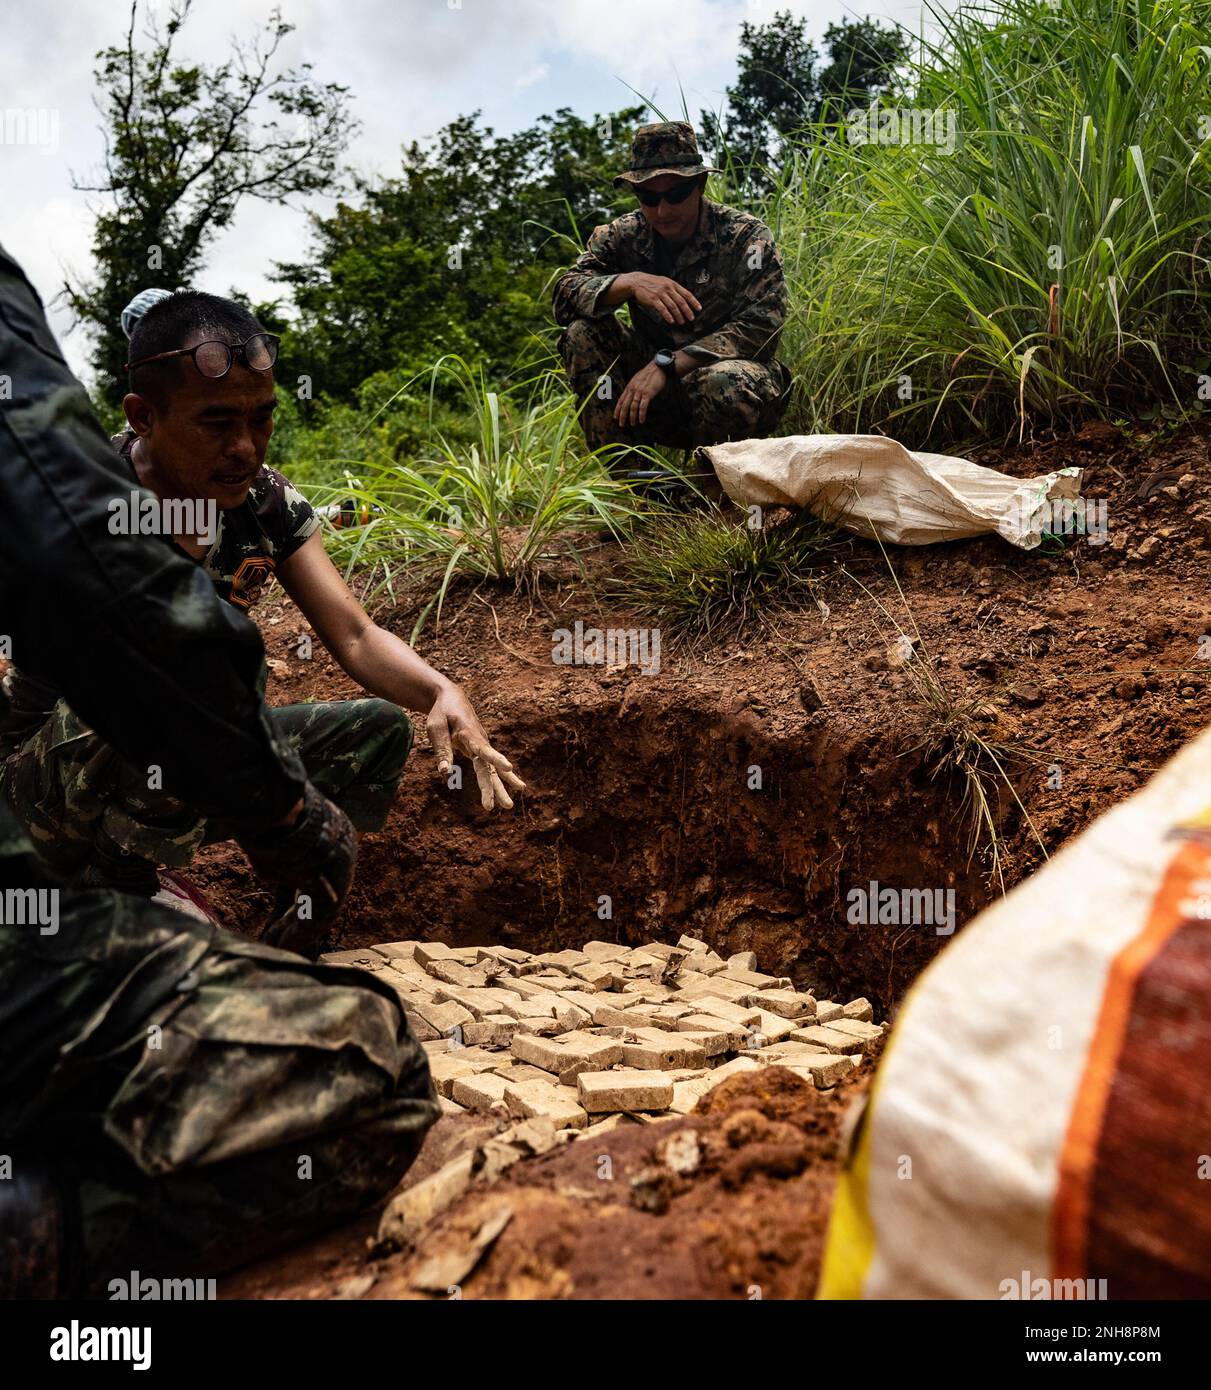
x: 742, y: 795
x: 650, y: 813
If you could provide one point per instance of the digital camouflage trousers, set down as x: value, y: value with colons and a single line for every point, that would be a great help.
x: 79, y: 799
x: 730, y: 399
x: 199, y: 1099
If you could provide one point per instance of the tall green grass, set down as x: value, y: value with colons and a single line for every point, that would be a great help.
x: 1054, y: 265
x: 500, y: 502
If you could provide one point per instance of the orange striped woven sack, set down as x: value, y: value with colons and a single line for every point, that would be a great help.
x: 1041, y: 1123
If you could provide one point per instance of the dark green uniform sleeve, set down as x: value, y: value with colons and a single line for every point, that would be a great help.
x: 758, y: 308
x: 131, y: 633
x: 578, y: 291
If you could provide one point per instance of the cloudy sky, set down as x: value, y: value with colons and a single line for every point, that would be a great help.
x: 412, y: 65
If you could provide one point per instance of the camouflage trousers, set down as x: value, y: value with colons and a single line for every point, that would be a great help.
x: 732, y: 399
x: 200, y: 1099
x: 78, y: 798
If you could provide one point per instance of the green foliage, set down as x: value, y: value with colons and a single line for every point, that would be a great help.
x: 498, y: 507
x: 701, y: 576
x: 184, y: 145
x: 782, y: 90
x: 1053, y: 266
x: 392, y: 421
x: 453, y: 257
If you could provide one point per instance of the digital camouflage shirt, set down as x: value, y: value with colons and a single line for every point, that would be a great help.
x: 253, y: 540
x: 730, y: 265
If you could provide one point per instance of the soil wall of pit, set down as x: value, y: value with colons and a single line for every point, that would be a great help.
x: 687, y: 818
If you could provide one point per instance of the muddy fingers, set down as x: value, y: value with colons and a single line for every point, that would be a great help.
x: 491, y: 789
x: 501, y: 765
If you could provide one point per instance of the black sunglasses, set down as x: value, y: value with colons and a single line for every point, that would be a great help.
x: 677, y: 194
x: 213, y: 358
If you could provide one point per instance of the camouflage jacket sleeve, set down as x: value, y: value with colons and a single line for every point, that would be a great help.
x: 578, y: 291
x: 758, y: 307
x: 131, y: 632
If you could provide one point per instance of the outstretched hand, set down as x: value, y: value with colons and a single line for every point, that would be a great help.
x: 454, y: 726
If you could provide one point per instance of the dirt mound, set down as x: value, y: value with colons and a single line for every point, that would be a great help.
x: 605, y: 1218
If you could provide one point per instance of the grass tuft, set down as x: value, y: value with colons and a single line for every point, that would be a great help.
x: 702, y: 577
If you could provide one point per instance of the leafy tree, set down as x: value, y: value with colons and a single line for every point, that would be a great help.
x: 863, y: 58
x: 184, y: 145
x: 783, y: 88
x: 453, y: 254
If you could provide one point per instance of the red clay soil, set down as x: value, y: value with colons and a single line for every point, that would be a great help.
x: 639, y: 789
x: 748, y: 1224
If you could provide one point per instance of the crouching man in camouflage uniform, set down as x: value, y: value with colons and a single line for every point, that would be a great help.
x: 201, y: 414
x: 174, y: 1099
x: 708, y: 301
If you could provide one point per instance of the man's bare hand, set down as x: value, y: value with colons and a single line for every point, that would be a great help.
x: 454, y: 725
x: 639, y: 393
x: 673, y: 302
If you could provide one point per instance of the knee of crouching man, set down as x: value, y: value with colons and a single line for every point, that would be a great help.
x: 394, y: 739
x: 577, y: 339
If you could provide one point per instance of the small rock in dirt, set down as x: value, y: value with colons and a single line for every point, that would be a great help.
x: 680, y: 1152
x: 1129, y: 688
x: 1029, y: 695
x: 1146, y: 549
x: 983, y: 665
x: 809, y: 695
x: 652, y: 1190
x: 441, y: 1272
x: 356, y: 1287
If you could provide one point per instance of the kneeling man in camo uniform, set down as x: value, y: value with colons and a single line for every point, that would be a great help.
x: 707, y: 298
x: 200, y: 413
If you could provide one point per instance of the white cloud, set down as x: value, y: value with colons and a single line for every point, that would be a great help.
x: 534, y: 75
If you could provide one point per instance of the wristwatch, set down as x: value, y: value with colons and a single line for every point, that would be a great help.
x: 666, y: 361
